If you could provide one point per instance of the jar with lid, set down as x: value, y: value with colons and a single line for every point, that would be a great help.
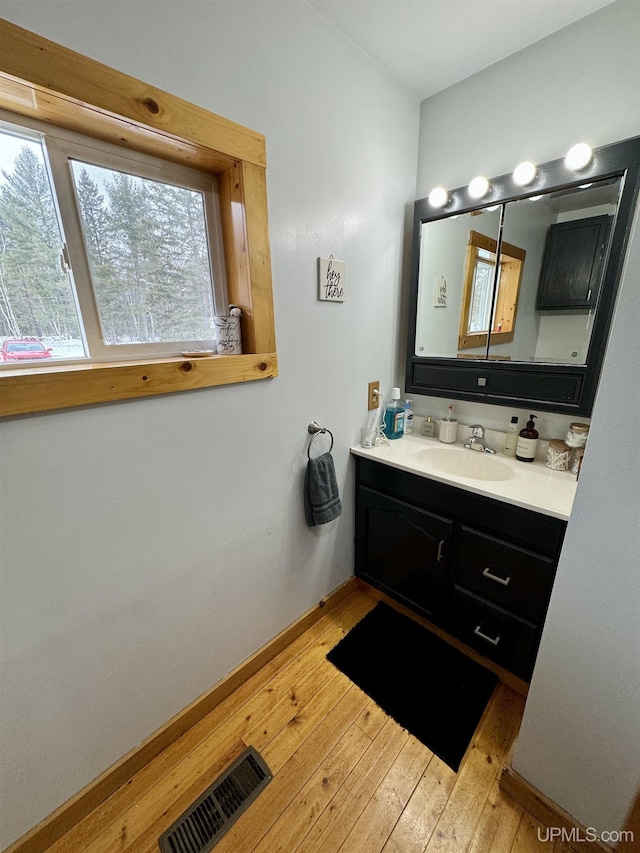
x: 576, y: 440
x: 558, y: 455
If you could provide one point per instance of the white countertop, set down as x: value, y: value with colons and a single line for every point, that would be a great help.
x: 531, y: 485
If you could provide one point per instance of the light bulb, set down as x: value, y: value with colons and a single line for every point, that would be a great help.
x: 479, y: 187
x: 438, y: 197
x: 524, y: 173
x: 578, y: 157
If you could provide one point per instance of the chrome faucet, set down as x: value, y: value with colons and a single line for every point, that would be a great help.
x: 476, y: 440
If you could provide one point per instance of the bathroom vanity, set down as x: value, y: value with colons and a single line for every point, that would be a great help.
x: 475, y: 556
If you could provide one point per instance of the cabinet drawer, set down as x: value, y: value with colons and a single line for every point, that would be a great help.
x: 555, y: 385
x: 505, y: 639
x: 513, y: 577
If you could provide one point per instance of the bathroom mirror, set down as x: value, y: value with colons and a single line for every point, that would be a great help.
x: 512, y: 300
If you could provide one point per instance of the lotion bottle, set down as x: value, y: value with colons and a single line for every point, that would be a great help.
x: 408, y: 416
x: 527, y: 441
x: 512, y: 437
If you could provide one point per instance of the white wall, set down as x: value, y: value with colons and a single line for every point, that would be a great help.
x: 580, y: 738
x: 149, y: 547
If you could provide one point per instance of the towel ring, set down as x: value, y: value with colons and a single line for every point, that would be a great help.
x: 315, y: 430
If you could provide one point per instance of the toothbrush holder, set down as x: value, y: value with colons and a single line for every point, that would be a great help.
x: 448, y: 432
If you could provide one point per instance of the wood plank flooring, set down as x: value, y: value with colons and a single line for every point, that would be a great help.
x: 346, y: 777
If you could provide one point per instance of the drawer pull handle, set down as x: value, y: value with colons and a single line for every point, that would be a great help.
x: 440, y: 547
x: 493, y: 640
x: 487, y: 574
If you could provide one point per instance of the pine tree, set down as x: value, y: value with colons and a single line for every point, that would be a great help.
x: 35, y: 294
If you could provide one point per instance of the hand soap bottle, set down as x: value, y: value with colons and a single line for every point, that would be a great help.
x: 512, y: 438
x: 394, y: 416
x: 527, y: 441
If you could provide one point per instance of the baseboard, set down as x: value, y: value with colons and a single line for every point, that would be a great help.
x: 96, y: 792
x: 508, y: 678
x: 549, y: 814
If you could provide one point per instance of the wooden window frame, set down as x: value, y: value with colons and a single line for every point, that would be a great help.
x: 506, y: 308
x: 43, y: 80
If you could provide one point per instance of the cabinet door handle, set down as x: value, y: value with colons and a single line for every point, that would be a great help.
x: 440, y: 547
x: 493, y: 640
x: 488, y: 574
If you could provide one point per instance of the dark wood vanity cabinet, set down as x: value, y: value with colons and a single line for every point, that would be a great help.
x: 478, y: 568
x: 404, y: 550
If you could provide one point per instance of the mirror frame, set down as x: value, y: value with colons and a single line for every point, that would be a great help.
x: 562, y: 388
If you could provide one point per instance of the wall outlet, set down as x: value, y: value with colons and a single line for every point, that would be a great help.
x: 372, y: 400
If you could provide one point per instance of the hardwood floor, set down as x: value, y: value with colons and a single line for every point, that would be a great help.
x: 346, y: 777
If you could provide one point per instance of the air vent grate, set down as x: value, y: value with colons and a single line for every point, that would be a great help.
x: 216, y: 810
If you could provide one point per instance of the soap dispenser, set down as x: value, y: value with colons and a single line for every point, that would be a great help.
x: 527, y: 441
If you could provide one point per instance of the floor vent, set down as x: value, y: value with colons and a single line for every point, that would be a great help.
x: 206, y: 821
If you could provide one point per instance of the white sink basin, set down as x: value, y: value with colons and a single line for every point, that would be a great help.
x: 465, y: 463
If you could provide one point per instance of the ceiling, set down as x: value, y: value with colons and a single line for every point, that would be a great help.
x: 428, y: 45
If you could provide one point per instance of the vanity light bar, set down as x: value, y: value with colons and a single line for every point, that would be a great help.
x: 438, y: 197
x: 525, y: 173
x: 479, y: 187
x: 579, y: 157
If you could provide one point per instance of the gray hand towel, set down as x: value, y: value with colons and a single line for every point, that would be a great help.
x: 321, y: 498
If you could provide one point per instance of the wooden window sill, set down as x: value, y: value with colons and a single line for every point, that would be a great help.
x: 60, y: 387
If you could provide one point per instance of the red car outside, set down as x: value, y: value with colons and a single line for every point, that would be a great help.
x: 21, y: 349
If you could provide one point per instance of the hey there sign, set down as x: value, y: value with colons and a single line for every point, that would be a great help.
x: 332, y: 277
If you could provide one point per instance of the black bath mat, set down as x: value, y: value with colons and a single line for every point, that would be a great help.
x: 431, y: 689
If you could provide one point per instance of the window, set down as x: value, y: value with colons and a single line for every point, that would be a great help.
x: 36, y: 296
x: 148, y: 254
x: 130, y: 312
x: 481, y: 291
x: 481, y: 310
x: 104, y: 256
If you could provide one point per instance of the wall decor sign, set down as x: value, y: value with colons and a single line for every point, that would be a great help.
x: 332, y: 276
x: 440, y: 292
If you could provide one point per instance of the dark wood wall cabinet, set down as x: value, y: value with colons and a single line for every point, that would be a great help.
x: 478, y: 568
x: 573, y: 263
